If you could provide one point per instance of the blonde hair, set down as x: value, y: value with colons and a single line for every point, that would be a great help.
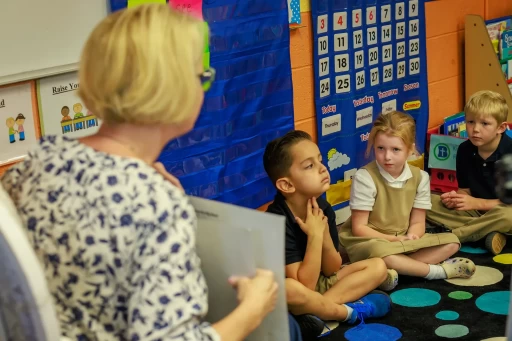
x: 140, y: 66
x: 395, y: 123
x: 487, y: 103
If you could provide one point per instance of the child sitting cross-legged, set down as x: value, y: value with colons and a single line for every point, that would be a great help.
x: 389, y: 200
x: 314, y: 268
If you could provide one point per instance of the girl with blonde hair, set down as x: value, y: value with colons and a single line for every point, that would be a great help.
x: 389, y: 200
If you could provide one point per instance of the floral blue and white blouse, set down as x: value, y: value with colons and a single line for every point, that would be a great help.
x: 117, y: 243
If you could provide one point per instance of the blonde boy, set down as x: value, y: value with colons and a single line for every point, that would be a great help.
x: 474, y: 212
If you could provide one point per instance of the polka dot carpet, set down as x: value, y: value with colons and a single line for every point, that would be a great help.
x: 439, y: 310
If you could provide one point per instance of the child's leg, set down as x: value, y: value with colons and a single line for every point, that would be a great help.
x: 417, y: 263
x: 356, y: 280
x: 302, y: 300
x: 471, y: 225
x: 435, y: 254
x: 424, y: 263
x: 406, y: 265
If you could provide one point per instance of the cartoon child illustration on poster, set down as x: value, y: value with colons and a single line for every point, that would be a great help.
x: 20, y: 120
x: 66, y: 128
x: 77, y: 108
x: 65, y: 114
x: 10, y: 125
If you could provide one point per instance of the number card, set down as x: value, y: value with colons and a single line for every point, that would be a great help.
x: 373, y: 56
x: 322, y: 24
x: 340, y: 21
x: 399, y: 10
x: 341, y: 63
x: 385, y: 13
x: 324, y: 66
x: 341, y: 42
x: 342, y: 84
x: 323, y: 46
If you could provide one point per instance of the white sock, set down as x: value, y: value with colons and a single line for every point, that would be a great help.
x: 436, y: 272
x: 349, y: 312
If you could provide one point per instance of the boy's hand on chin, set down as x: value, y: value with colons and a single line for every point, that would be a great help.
x: 316, y: 221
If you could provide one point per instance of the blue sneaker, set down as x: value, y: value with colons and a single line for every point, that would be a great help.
x: 375, y: 304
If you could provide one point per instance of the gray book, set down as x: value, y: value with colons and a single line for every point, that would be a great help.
x: 232, y: 240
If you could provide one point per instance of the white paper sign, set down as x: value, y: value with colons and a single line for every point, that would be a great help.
x: 17, y: 134
x: 233, y: 240
x: 61, y: 110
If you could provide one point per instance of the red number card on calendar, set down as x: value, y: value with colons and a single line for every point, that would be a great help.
x: 193, y: 7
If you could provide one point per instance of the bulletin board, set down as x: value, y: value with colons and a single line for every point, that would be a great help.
x: 369, y: 57
x: 249, y: 104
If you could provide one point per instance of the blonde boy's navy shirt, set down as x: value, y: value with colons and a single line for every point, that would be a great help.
x: 477, y: 174
x: 296, y: 240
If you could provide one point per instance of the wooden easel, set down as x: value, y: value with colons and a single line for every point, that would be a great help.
x: 483, y: 68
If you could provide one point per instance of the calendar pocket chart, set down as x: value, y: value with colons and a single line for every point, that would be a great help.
x: 369, y: 58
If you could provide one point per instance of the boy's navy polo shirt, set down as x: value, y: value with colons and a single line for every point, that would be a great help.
x: 477, y: 174
x: 295, y: 239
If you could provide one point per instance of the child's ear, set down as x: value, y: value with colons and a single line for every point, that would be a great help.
x: 502, y: 127
x: 284, y: 185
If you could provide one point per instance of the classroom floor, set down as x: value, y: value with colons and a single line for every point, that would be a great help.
x: 472, y: 309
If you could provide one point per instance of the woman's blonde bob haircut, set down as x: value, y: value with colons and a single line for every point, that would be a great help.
x: 141, y: 66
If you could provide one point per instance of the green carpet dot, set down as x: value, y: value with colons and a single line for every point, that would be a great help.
x: 460, y: 295
x: 452, y: 331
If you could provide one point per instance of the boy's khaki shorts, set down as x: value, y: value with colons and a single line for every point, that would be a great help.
x: 325, y: 283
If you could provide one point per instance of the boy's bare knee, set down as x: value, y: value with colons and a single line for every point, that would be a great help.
x: 296, y: 293
x: 379, y: 267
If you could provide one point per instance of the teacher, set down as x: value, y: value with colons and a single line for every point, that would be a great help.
x: 114, y: 232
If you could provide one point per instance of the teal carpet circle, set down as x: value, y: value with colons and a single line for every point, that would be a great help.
x: 495, y: 302
x: 447, y: 315
x: 415, y: 297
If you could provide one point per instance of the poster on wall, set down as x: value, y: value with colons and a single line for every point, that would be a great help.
x: 60, y: 109
x: 18, y: 117
x: 369, y: 59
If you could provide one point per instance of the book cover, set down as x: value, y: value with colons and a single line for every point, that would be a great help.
x: 452, y: 123
x: 506, y: 44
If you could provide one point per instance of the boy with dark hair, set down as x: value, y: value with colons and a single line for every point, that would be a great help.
x: 474, y: 211
x: 313, y: 264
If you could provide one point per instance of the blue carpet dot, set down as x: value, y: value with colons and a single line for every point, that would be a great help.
x: 373, y: 332
x: 470, y: 249
x: 452, y: 331
x: 415, y: 298
x: 495, y: 302
x: 447, y: 315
